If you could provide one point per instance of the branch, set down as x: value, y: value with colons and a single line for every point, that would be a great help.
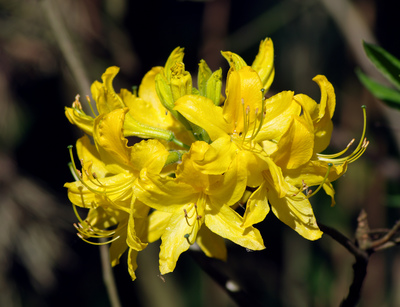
x: 214, y: 268
x: 359, y: 267
x: 362, y: 249
x: 108, y: 276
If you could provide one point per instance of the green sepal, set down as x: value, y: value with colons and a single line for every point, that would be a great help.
x: 134, y: 128
x: 164, y: 92
x: 174, y: 156
x: 203, y: 75
x: 214, y: 86
x: 200, y: 134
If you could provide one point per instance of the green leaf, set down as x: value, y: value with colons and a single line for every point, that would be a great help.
x: 393, y: 201
x: 390, y: 96
x: 386, y: 63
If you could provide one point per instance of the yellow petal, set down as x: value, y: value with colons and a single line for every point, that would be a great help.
x: 264, y: 63
x: 132, y: 264
x: 257, y: 207
x: 164, y: 194
x: 133, y: 241
x: 103, y: 218
x: 328, y: 98
x: 158, y: 223
x: 147, y: 90
x: 88, y: 152
x: 186, y: 171
x: 297, y: 213
x: 119, y: 246
x: 202, y: 112
x: 254, y: 163
x: 174, y: 241
x: 218, y: 157
x: 274, y: 178
x: 227, y: 223
x: 104, y: 94
x: 295, y: 147
x: 111, y: 143
x: 211, y: 244
x: 83, y: 121
x: 235, y: 60
x: 150, y: 154
x: 313, y: 173
x: 278, y: 115
x: 80, y: 196
x: 228, y: 189
x: 243, y: 98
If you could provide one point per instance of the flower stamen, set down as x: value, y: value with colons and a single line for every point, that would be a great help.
x: 360, y: 149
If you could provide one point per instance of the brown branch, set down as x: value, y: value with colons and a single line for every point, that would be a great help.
x: 215, y: 269
x: 377, y: 244
x: 359, y: 267
x: 362, y: 250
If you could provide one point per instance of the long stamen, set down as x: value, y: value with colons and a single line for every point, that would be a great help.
x: 97, y: 243
x: 77, y: 214
x: 198, y: 219
x: 262, y: 117
x: 332, y: 156
x: 187, y: 217
x: 90, y: 105
x: 362, y: 145
x: 323, y: 181
x: 76, y: 175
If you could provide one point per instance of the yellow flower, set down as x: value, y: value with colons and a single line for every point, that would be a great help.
x: 146, y: 118
x: 110, y: 169
x: 199, y: 207
x: 238, y: 128
x: 297, y: 167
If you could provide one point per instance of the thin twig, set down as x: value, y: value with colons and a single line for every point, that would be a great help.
x: 67, y: 48
x: 389, y: 235
x: 359, y: 267
x: 343, y: 240
x: 78, y: 71
x: 108, y: 276
x: 213, y: 268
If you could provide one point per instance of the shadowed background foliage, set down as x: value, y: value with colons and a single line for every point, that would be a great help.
x: 43, y: 262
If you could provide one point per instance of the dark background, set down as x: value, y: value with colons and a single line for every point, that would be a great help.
x: 43, y: 262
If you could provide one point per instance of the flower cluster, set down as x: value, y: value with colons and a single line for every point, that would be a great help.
x: 204, y: 156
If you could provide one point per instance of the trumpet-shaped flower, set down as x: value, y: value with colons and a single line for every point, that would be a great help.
x: 238, y: 128
x: 146, y: 118
x: 298, y: 167
x: 105, y: 185
x: 199, y: 205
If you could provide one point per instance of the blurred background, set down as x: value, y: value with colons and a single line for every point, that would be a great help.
x: 44, y: 263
